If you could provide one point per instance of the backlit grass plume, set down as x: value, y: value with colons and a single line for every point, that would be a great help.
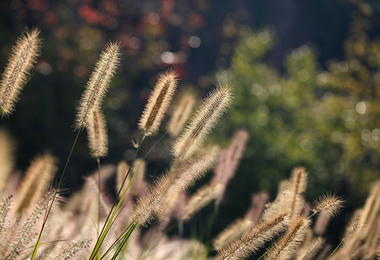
x: 22, y: 58
x: 36, y: 182
x: 97, y: 134
x: 254, y: 238
x: 158, y: 103
x: 286, y: 247
x: 7, y: 148
x: 202, y: 122
x: 330, y: 204
x: 98, y: 83
x: 181, y: 115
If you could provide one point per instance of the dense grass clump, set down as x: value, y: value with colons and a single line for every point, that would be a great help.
x: 36, y: 223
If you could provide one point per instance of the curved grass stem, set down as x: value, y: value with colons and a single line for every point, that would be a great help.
x: 114, y: 208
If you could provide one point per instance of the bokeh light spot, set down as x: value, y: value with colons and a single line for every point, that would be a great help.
x: 360, y: 107
x: 194, y: 41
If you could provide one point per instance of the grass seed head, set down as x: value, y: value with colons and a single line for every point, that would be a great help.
x: 21, y: 61
x: 158, y: 103
x: 97, y: 85
x: 205, y: 118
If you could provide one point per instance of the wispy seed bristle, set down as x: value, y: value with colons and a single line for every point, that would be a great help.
x: 201, y: 198
x: 254, y: 238
x: 158, y: 103
x: 24, y: 235
x: 181, y: 115
x: 147, y: 205
x: 97, y: 134
x: 205, y: 118
x: 7, y: 148
x: 98, y: 84
x: 72, y: 250
x: 21, y: 61
x: 287, y: 245
x: 37, y: 180
x: 329, y: 204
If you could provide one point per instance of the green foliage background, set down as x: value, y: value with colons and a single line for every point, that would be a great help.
x: 322, y: 117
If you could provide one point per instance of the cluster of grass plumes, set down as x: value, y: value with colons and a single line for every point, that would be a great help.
x: 97, y: 224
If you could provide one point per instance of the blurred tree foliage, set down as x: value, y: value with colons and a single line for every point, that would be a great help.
x: 321, y: 117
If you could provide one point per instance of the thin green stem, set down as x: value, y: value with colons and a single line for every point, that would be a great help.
x: 209, y: 229
x: 55, y: 195
x: 341, y: 242
x: 124, y: 241
x: 110, y: 217
x: 97, y: 232
x: 116, y: 241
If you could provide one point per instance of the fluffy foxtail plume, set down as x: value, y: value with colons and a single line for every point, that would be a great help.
x: 4, y: 210
x: 229, y: 160
x: 370, y: 203
x: 148, y: 203
x: 6, y: 158
x: 36, y: 181
x: 201, y: 198
x: 290, y: 241
x: 279, y: 205
x: 139, y: 165
x: 185, y: 177
x: 158, y: 102
x: 181, y: 115
x: 23, y: 56
x: 236, y: 149
x: 236, y: 229
x: 284, y: 185
x: 202, y: 122
x: 329, y: 204
x: 72, y: 250
x: 298, y: 182
x: 312, y: 250
x: 25, y: 233
x: 97, y: 134
x: 259, y: 201
x: 254, y: 238
x: 98, y: 83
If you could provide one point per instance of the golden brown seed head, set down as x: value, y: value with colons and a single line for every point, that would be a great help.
x: 97, y: 134
x: 158, y: 103
x: 37, y: 180
x: 23, y: 56
x: 286, y: 247
x: 201, y: 198
x: 205, y: 118
x: 181, y: 115
x: 253, y: 238
x: 330, y: 204
x: 97, y: 85
x: 7, y: 148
